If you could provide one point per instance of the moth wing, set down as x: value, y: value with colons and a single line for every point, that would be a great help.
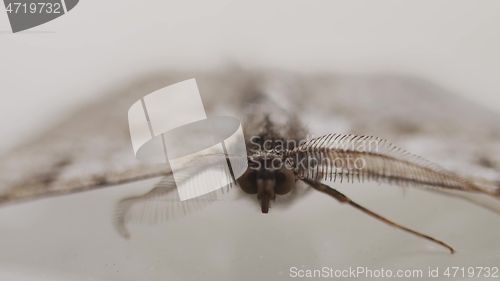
x: 91, y: 148
x: 163, y: 202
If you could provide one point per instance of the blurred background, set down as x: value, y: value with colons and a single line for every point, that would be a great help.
x: 56, y: 67
x: 51, y: 70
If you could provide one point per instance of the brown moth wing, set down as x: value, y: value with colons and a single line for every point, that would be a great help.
x: 163, y: 202
x: 91, y: 148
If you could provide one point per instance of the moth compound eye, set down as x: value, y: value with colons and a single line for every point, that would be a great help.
x: 248, y: 181
x: 285, y: 181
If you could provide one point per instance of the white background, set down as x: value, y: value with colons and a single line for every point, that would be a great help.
x: 52, y: 69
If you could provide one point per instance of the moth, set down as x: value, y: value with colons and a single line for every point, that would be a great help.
x: 92, y: 149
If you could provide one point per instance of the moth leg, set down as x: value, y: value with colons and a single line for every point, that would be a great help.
x: 344, y: 199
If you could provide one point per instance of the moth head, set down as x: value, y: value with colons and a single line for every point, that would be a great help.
x: 267, y: 179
